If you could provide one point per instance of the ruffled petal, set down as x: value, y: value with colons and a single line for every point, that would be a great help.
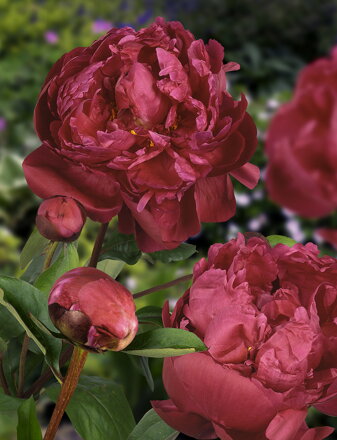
x: 48, y: 175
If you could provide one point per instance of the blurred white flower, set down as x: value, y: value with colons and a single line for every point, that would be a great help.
x: 242, y: 199
x: 293, y: 228
x: 255, y: 224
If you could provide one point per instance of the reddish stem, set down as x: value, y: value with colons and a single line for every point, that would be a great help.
x: 162, y: 286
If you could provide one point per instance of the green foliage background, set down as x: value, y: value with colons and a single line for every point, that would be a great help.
x: 271, y: 39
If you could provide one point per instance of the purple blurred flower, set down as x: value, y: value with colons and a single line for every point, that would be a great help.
x: 3, y: 124
x: 99, y: 26
x: 51, y: 37
x: 145, y: 16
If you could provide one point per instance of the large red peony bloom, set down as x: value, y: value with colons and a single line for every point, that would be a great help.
x: 140, y: 124
x: 269, y: 319
x: 301, y: 144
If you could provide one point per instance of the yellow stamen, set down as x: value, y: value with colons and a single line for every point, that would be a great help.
x: 133, y: 132
x: 250, y: 348
x: 151, y: 144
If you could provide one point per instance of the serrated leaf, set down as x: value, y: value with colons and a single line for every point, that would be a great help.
x: 67, y: 260
x: 111, y: 267
x: 28, y: 425
x: 34, y: 246
x: 121, y: 247
x: 23, y: 300
x: 150, y: 315
x: 180, y: 253
x: 165, y: 342
x: 280, y: 239
x: 152, y: 427
x: 98, y: 409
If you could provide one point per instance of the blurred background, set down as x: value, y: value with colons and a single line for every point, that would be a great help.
x: 271, y: 40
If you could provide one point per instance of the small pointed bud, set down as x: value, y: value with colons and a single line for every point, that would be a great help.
x: 60, y: 218
x: 93, y: 310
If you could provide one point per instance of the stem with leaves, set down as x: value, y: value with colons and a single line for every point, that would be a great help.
x: 78, y: 357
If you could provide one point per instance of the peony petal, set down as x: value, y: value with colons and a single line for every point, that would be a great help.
x: 187, y: 423
x: 290, y: 425
x: 48, y: 175
x: 215, y: 199
x: 286, y: 424
x: 199, y: 385
x: 248, y: 175
x: 165, y: 225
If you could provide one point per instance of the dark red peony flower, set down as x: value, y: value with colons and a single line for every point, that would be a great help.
x: 269, y: 319
x: 60, y: 218
x: 140, y: 124
x: 301, y: 144
x: 93, y: 310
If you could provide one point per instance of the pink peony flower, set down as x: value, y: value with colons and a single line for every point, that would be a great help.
x: 301, y: 144
x: 140, y: 124
x: 268, y: 317
x: 93, y: 310
x: 60, y: 218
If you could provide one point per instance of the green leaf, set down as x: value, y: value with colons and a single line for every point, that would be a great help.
x: 111, y: 267
x: 8, y: 403
x: 23, y: 301
x: 144, y: 362
x: 121, y: 247
x: 180, y: 253
x: 67, y: 260
x: 98, y: 409
x: 34, y: 246
x: 165, y: 342
x: 28, y: 425
x: 280, y: 239
x: 3, y: 345
x: 152, y: 427
x: 150, y: 315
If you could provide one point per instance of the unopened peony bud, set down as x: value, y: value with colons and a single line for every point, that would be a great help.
x: 60, y: 218
x: 93, y: 310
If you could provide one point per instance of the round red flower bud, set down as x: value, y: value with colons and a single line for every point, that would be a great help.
x: 60, y: 218
x: 93, y: 310
x: 268, y: 317
x: 140, y: 124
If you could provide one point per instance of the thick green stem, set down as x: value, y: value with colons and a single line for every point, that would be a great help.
x: 67, y: 390
x: 162, y: 286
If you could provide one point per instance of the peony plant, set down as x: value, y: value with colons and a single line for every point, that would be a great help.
x: 140, y: 126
